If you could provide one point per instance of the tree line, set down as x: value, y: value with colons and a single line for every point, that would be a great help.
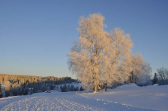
x: 66, y: 88
x: 25, y: 84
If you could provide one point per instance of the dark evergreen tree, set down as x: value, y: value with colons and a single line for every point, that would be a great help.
x: 0, y: 91
x: 14, y: 92
x: 52, y: 86
x: 72, y: 87
x: 64, y: 88
x: 81, y: 88
x: 69, y: 87
x: 19, y: 92
x: 26, y: 90
x: 7, y: 91
x: 155, y: 79
x: 61, y: 88
x: 76, y: 88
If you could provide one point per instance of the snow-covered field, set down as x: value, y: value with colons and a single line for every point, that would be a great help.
x: 124, y: 98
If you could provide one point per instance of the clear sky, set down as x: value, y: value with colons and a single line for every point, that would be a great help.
x: 35, y: 35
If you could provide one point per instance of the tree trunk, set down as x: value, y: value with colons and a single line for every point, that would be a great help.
x: 131, y: 77
x: 95, y: 88
x: 106, y: 86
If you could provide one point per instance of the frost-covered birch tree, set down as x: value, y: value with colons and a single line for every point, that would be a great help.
x: 118, y: 56
x: 97, y: 56
x: 85, y: 59
x: 141, y: 70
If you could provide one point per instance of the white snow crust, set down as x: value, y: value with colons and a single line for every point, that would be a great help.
x: 124, y: 98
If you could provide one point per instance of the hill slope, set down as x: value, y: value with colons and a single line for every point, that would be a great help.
x: 126, y: 97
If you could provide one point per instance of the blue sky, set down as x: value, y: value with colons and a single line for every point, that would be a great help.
x: 35, y: 36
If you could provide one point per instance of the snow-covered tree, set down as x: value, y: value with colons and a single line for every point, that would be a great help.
x: 97, y: 56
x: 86, y: 57
x: 69, y: 87
x: 141, y: 70
x: 7, y: 90
x: 118, y: 56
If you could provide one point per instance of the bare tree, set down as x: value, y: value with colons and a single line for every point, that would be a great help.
x: 163, y: 75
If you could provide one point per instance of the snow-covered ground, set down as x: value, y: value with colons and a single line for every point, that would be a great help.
x: 124, y: 98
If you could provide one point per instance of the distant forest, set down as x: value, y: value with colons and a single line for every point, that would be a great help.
x: 26, y: 84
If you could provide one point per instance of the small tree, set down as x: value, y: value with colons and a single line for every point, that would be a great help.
x: 63, y: 88
x: 76, y: 88
x: 52, y: 86
x: 0, y: 91
x: 19, y: 91
x: 69, y: 87
x: 35, y: 89
x: 141, y: 70
x: 14, y: 92
x: 26, y: 91
x: 72, y: 87
x: 8, y: 90
x: 155, y: 79
x: 163, y: 75
x: 81, y: 88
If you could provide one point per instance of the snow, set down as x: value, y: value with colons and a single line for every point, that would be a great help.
x: 123, y: 98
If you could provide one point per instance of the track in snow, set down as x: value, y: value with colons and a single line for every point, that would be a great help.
x: 61, y: 102
x: 44, y: 104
